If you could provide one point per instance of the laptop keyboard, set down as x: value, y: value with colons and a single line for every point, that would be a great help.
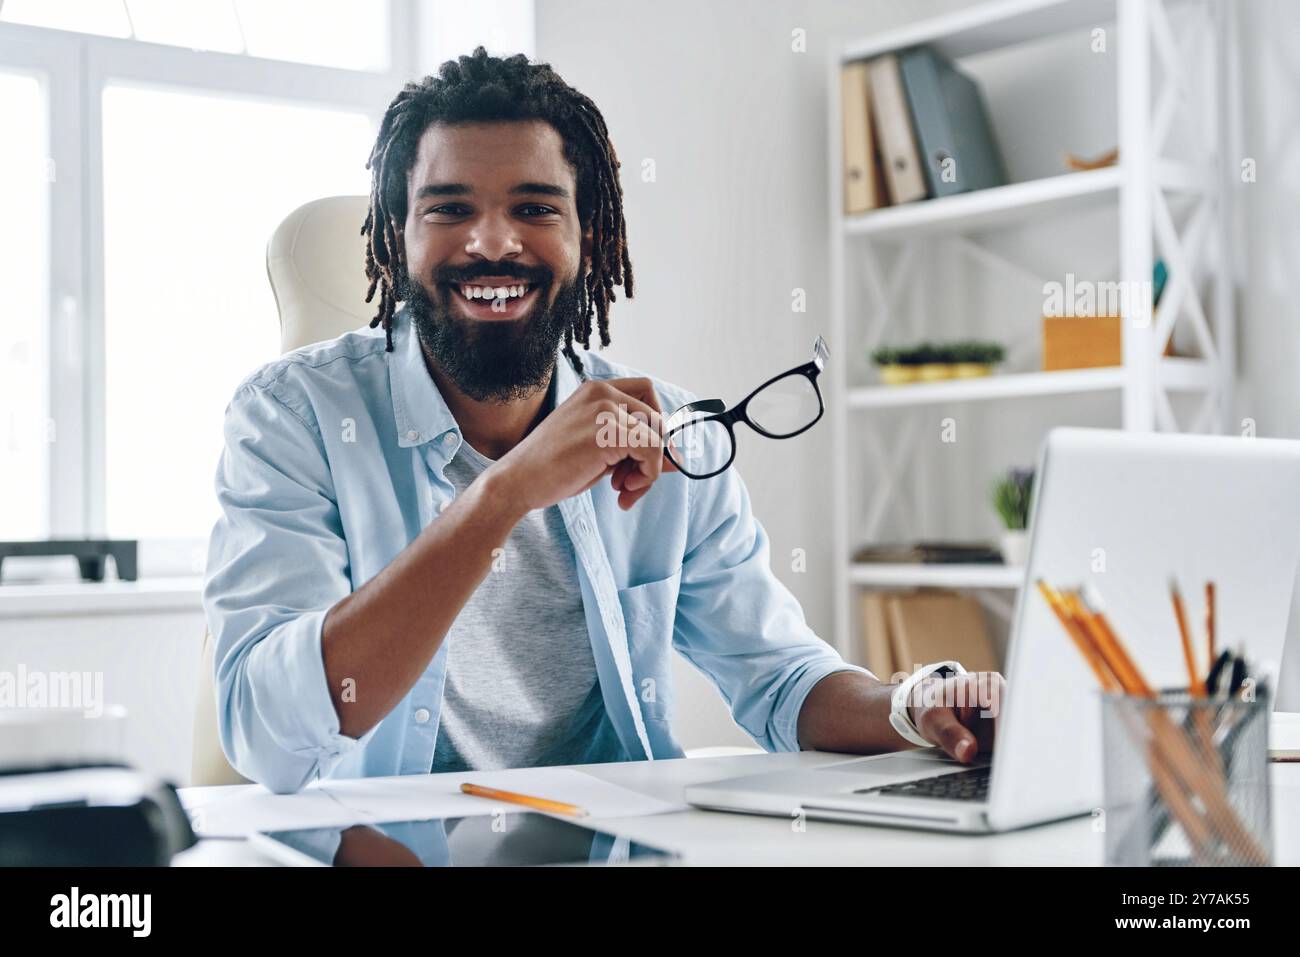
x: 969, y: 785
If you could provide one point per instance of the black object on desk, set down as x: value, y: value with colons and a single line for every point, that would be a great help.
x: 96, y: 816
x: 90, y: 554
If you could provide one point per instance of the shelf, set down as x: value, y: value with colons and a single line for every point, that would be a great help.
x: 1174, y: 373
x: 936, y: 575
x: 986, y: 208
x: 1014, y: 203
x: 987, y: 27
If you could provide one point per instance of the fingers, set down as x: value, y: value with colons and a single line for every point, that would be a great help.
x: 633, y: 449
x: 637, y: 455
x: 941, y: 726
x: 642, y: 390
x: 965, y: 720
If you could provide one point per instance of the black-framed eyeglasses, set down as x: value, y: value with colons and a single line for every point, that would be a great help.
x: 700, y: 437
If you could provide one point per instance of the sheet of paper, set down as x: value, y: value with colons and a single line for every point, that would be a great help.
x: 239, y: 810
x: 415, y: 797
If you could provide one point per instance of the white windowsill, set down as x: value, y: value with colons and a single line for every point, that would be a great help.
x: 69, y: 598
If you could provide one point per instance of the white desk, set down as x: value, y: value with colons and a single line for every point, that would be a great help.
x: 715, y: 838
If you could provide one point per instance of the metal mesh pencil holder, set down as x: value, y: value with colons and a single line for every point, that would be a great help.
x: 1186, y: 780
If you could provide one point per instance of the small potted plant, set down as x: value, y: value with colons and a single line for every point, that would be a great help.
x: 893, y: 370
x: 973, y: 359
x: 931, y: 362
x: 1011, y: 497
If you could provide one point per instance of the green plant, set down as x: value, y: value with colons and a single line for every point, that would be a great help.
x: 921, y: 355
x: 965, y: 350
x: 978, y: 351
x: 1011, y: 497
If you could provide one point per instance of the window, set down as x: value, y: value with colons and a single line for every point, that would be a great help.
x: 347, y: 34
x: 150, y: 149
x: 25, y: 428
x: 208, y: 179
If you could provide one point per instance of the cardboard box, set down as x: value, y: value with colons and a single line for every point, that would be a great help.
x: 1081, y: 342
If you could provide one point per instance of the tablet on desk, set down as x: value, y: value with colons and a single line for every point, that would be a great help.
x: 514, y: 839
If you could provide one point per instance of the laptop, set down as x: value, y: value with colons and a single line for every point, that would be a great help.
x: 1125, y: 513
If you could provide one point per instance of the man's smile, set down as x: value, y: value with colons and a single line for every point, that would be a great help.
x: 492, y: 299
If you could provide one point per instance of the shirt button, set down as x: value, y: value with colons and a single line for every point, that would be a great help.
x: 412, y: 436
x: 422, y: 716
x: 449, y: 439
x: 582, y: 526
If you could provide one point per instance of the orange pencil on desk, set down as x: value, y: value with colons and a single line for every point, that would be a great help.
x: 536, y: 803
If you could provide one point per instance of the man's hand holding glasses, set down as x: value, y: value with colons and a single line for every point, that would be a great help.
x: 615, y: 427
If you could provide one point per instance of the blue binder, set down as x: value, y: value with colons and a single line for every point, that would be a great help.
x: 951, y: 123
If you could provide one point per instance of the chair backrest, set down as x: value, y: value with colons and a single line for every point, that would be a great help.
x: 315, y: 261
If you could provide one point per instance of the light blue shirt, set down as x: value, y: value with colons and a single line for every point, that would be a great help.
x: 334, y: 463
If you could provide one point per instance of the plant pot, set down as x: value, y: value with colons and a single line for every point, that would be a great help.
x: 1015, y: 547
x: 897, y: 374
x: 934, y: 371
x: 971, y: 370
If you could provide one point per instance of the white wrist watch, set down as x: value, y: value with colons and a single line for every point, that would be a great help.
x: 899, y: 719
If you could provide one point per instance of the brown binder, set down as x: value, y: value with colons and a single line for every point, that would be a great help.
x: 936, y: 625
x: 863, y: 183
x: 898, y: 151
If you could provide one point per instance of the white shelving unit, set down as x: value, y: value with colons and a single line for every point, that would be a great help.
x: 874, y: 255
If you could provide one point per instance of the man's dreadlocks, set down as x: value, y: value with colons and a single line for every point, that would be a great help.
x: 482, y: 88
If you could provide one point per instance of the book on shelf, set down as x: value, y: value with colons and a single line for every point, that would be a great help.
x: 898, y: 150
x: 864, y: 184
x: 902, y: 630
x: 929, y: 553
x: 953, y: 132
x: 914, y: 127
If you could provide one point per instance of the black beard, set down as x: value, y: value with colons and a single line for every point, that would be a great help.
x: 496, y: 361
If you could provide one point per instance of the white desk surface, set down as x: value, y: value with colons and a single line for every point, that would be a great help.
x: 717, y: 838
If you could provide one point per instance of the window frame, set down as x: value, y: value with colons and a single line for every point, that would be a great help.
x: 75, y: 69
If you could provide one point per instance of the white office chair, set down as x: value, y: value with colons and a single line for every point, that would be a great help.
x: 315, y: 261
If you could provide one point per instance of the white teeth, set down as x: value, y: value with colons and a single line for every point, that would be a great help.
x: 494, y: 292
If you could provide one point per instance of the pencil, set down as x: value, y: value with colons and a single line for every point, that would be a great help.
x: 538, y: 804
x: 1209, y: 620
x: 1194, y: 685
x: 1081, y: 639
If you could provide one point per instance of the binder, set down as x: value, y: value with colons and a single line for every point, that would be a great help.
x: 951, y: 122
x: 863, y: 185
x: 899, y: 154
x: 936, y: 625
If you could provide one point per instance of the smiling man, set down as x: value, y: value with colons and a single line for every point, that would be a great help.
x: 432, y: 558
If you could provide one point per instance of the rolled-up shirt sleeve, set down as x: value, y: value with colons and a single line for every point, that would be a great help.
x: 277, y: 562
x: 739, y: 624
